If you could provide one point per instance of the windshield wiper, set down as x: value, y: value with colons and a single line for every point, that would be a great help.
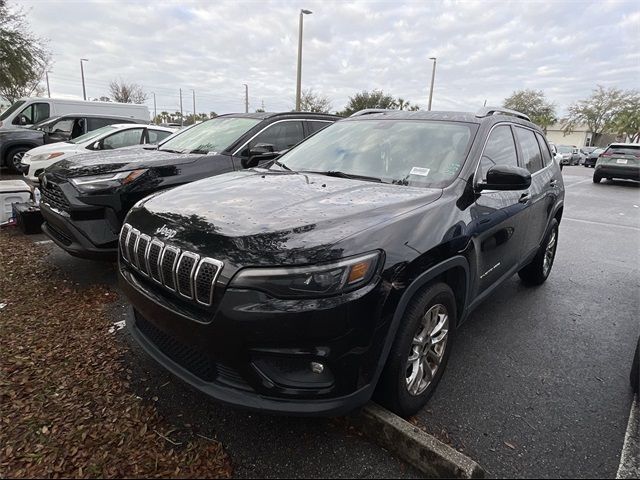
x: 198, y: 150
x: 282, y: 165
x: 169, y: 150
x: 339, y: 174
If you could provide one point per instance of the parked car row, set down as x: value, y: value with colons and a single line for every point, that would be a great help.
x: 32, y: 122
x: 298, y: 264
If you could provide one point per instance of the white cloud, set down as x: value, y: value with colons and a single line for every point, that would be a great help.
x: 485, y: 49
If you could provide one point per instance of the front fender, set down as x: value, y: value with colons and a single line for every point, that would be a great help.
x: 420, y: 281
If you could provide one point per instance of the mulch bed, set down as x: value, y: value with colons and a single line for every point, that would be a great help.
x: 66, y: 407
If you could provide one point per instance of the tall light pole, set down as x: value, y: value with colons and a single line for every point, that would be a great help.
x: 299, y: 84
x: 433, y: 78
x: 155, y: 111
x: 84, y: 91
x: 46, y: 74
x: 194, y: 106
x: 246, y: 98
x: 181, y: 115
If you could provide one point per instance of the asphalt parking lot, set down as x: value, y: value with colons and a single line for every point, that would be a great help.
x: 538, y: 382
x: 537, y: 385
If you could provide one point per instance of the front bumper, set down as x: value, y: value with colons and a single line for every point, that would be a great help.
x: 85, y: 231
x: 626, y: 172
x: 253, y: 351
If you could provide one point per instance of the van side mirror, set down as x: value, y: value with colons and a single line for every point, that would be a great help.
x: 22, y: 120
x: 96, y: 146
x: 506, y: 177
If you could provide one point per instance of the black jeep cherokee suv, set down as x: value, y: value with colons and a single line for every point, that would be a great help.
x: 85, y: 198
x: 346, y: 266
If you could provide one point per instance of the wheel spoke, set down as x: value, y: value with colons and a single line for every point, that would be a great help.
x: 442, y: 320
x: 414, y: 385
x: 440, y: 337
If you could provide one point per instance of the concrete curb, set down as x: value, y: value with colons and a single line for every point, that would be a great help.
x: 413, y: 445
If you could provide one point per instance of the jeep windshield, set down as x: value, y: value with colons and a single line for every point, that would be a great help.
x: 210, y: 136
x: 422, y: 153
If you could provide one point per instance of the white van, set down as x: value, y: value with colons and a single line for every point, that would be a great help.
x: 28, y: 111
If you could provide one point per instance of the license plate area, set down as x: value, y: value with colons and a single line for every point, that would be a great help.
x: 622, y: 161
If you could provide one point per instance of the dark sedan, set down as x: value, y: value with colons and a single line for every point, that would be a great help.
x: 592, y: 157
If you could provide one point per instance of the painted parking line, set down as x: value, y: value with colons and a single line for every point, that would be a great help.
x: 630, y: 458
x: 603, y: 224
x: 577, y: 183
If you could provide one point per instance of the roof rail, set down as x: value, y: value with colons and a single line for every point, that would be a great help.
x: 370, y: 111
x: 486, y: 111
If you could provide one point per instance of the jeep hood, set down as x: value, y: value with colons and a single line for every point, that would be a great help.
x: 263, y: 217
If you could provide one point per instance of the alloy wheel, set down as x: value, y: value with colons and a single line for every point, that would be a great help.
x: 550, y: 252
x: 427, y: 349
x: 16, y: 160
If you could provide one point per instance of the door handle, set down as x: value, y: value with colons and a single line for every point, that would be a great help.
x: 525, y: 197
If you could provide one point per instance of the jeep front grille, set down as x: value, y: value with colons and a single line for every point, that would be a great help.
x: 183, y: 272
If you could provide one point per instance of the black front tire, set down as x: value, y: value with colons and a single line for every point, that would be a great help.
x: 596, y: 178
x: 14, y: 158
x: 392, y: 390
x: 535, y: 273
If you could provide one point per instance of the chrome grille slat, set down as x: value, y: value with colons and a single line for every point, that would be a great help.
x: 204, y: 280
x: 132, y: 239
x: 182, y: 272
x: 124, y: 234
x: 141, y: 253
x: 153, y: 259
x: 168, y: 263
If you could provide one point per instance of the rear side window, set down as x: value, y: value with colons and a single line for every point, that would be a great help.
x: 531, y: 157
x: 96, y: 123
x: 315, y: 126
x: 500, y: 150
x: 546, y: 155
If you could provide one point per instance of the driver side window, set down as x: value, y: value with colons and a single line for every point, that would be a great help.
x: 34, y: 113
x: 281, y: 135
x: 500, y: 150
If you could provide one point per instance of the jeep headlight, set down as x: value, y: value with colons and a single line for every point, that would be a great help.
x: 313, y: 281
x: 94, y: 183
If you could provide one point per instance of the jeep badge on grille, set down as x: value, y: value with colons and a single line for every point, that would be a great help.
x: 167, y: 232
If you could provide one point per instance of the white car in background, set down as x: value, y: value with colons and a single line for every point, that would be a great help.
x: 557, y: 156
x: 106, y: 138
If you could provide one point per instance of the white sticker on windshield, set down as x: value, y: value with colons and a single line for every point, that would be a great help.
x: 420, y: 171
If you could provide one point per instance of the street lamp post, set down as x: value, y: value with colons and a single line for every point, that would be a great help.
x: 48, y: 89
x: 299, y: 83
x: 155, y: 111
x: 433, y: 78
x: 84, y: 91
x: 246, y: 98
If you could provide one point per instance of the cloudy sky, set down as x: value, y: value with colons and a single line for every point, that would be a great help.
x: 485, y: 49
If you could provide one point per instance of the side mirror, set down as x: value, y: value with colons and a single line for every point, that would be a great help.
x: 259, y: 153
x: 261, y: 149
x: 506, y: 177
x: 22, y: 120
x: 96, y: 146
